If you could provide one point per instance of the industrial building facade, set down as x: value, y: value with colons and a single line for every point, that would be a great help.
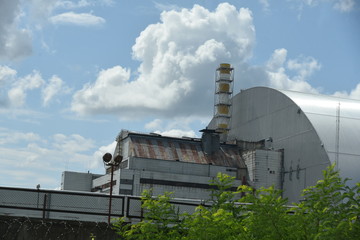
x: 184, y: 166
x: 261, y: 136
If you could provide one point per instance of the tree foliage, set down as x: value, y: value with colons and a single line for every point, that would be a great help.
x: 330, y: 210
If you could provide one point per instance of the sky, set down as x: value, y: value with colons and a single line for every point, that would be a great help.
x: 74, y: 73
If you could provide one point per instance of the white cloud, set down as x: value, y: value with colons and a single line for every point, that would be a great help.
x: 6, y: 74
x: 167, y: 7
x: 17, y: 93
x: 10, y: 137
x: 177, y: 133
x: 14, y: 89
x: 353, y: 94
x: 72, y: 4
x: 303, y: 67
x: 281, y: 73
x: 82, y: 3
x: 15, y: 42
x: 54, y: 87
x: 265, y: 5
x: 154, y: 124
x: 38, y: 158
x: 40, y: 10
x: 72, y: 144
x: 344, y: 5
x: 179, y: 127
x: 80, y: 19
x: 277, y: 60
x: 340, y: 5
x: 178, y: 57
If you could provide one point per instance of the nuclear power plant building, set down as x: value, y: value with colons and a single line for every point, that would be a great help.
x: 261, y: 136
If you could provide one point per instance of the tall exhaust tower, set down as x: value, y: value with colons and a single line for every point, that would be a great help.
x: 224, y: 79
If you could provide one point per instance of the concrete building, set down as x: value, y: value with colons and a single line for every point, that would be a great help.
x: 184, y: 166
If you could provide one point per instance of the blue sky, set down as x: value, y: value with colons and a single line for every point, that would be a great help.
x: 74, y: 73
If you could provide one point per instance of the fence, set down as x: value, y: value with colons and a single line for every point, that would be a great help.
x: 80, y: 206
x: 66, y: 205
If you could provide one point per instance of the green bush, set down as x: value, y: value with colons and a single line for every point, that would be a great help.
x: 330, y: 210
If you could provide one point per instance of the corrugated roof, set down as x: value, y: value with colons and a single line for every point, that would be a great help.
x: 185, y: 150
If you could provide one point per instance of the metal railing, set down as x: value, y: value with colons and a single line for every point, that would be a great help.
x: 52, y: 204
x: 82, y: 206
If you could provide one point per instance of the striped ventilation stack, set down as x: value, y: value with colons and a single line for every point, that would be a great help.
x: 223, y: 94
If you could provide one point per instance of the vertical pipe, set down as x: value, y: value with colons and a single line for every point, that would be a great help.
x: 111, y: 188
x: 44, y: 205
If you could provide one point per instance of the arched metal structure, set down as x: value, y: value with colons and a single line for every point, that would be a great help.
x: 314, y: 131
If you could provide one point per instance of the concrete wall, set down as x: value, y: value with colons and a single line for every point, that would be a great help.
x: 264, y: 168
x: 185, y: 180
x: 76, y: 181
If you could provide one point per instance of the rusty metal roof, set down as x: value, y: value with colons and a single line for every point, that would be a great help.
x: 182, y: 149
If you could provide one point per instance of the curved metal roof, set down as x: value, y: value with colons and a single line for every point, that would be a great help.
x: 337, y: 123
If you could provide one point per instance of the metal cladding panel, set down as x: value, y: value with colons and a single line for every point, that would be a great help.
x: 332, y: 117
x: 76, y: 181
x: 264, y: 168
x: 268, y: 168
x: 305, y: 126
x: 155, y: 147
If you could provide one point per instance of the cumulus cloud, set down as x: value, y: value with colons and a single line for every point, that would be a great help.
x: 175, y: 78
x: 11, y: 137
x: 18, y: 92
x: 14, y: 89
x: 80, y: 19
x: 354, y: 93
x: 304, y: 66
x: 278, y: 77
x: 72, y: 144
x: 281, y: 73
x: 54, y: 87
x: 178, y: 57
x: 175, y: 128
x: 44, y: 158
x: 15, y: 42
x: 6, y: 74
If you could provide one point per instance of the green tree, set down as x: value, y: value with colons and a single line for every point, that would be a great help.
x: 266, y: 215
x: 160, y: 221
x: 330, y: 210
